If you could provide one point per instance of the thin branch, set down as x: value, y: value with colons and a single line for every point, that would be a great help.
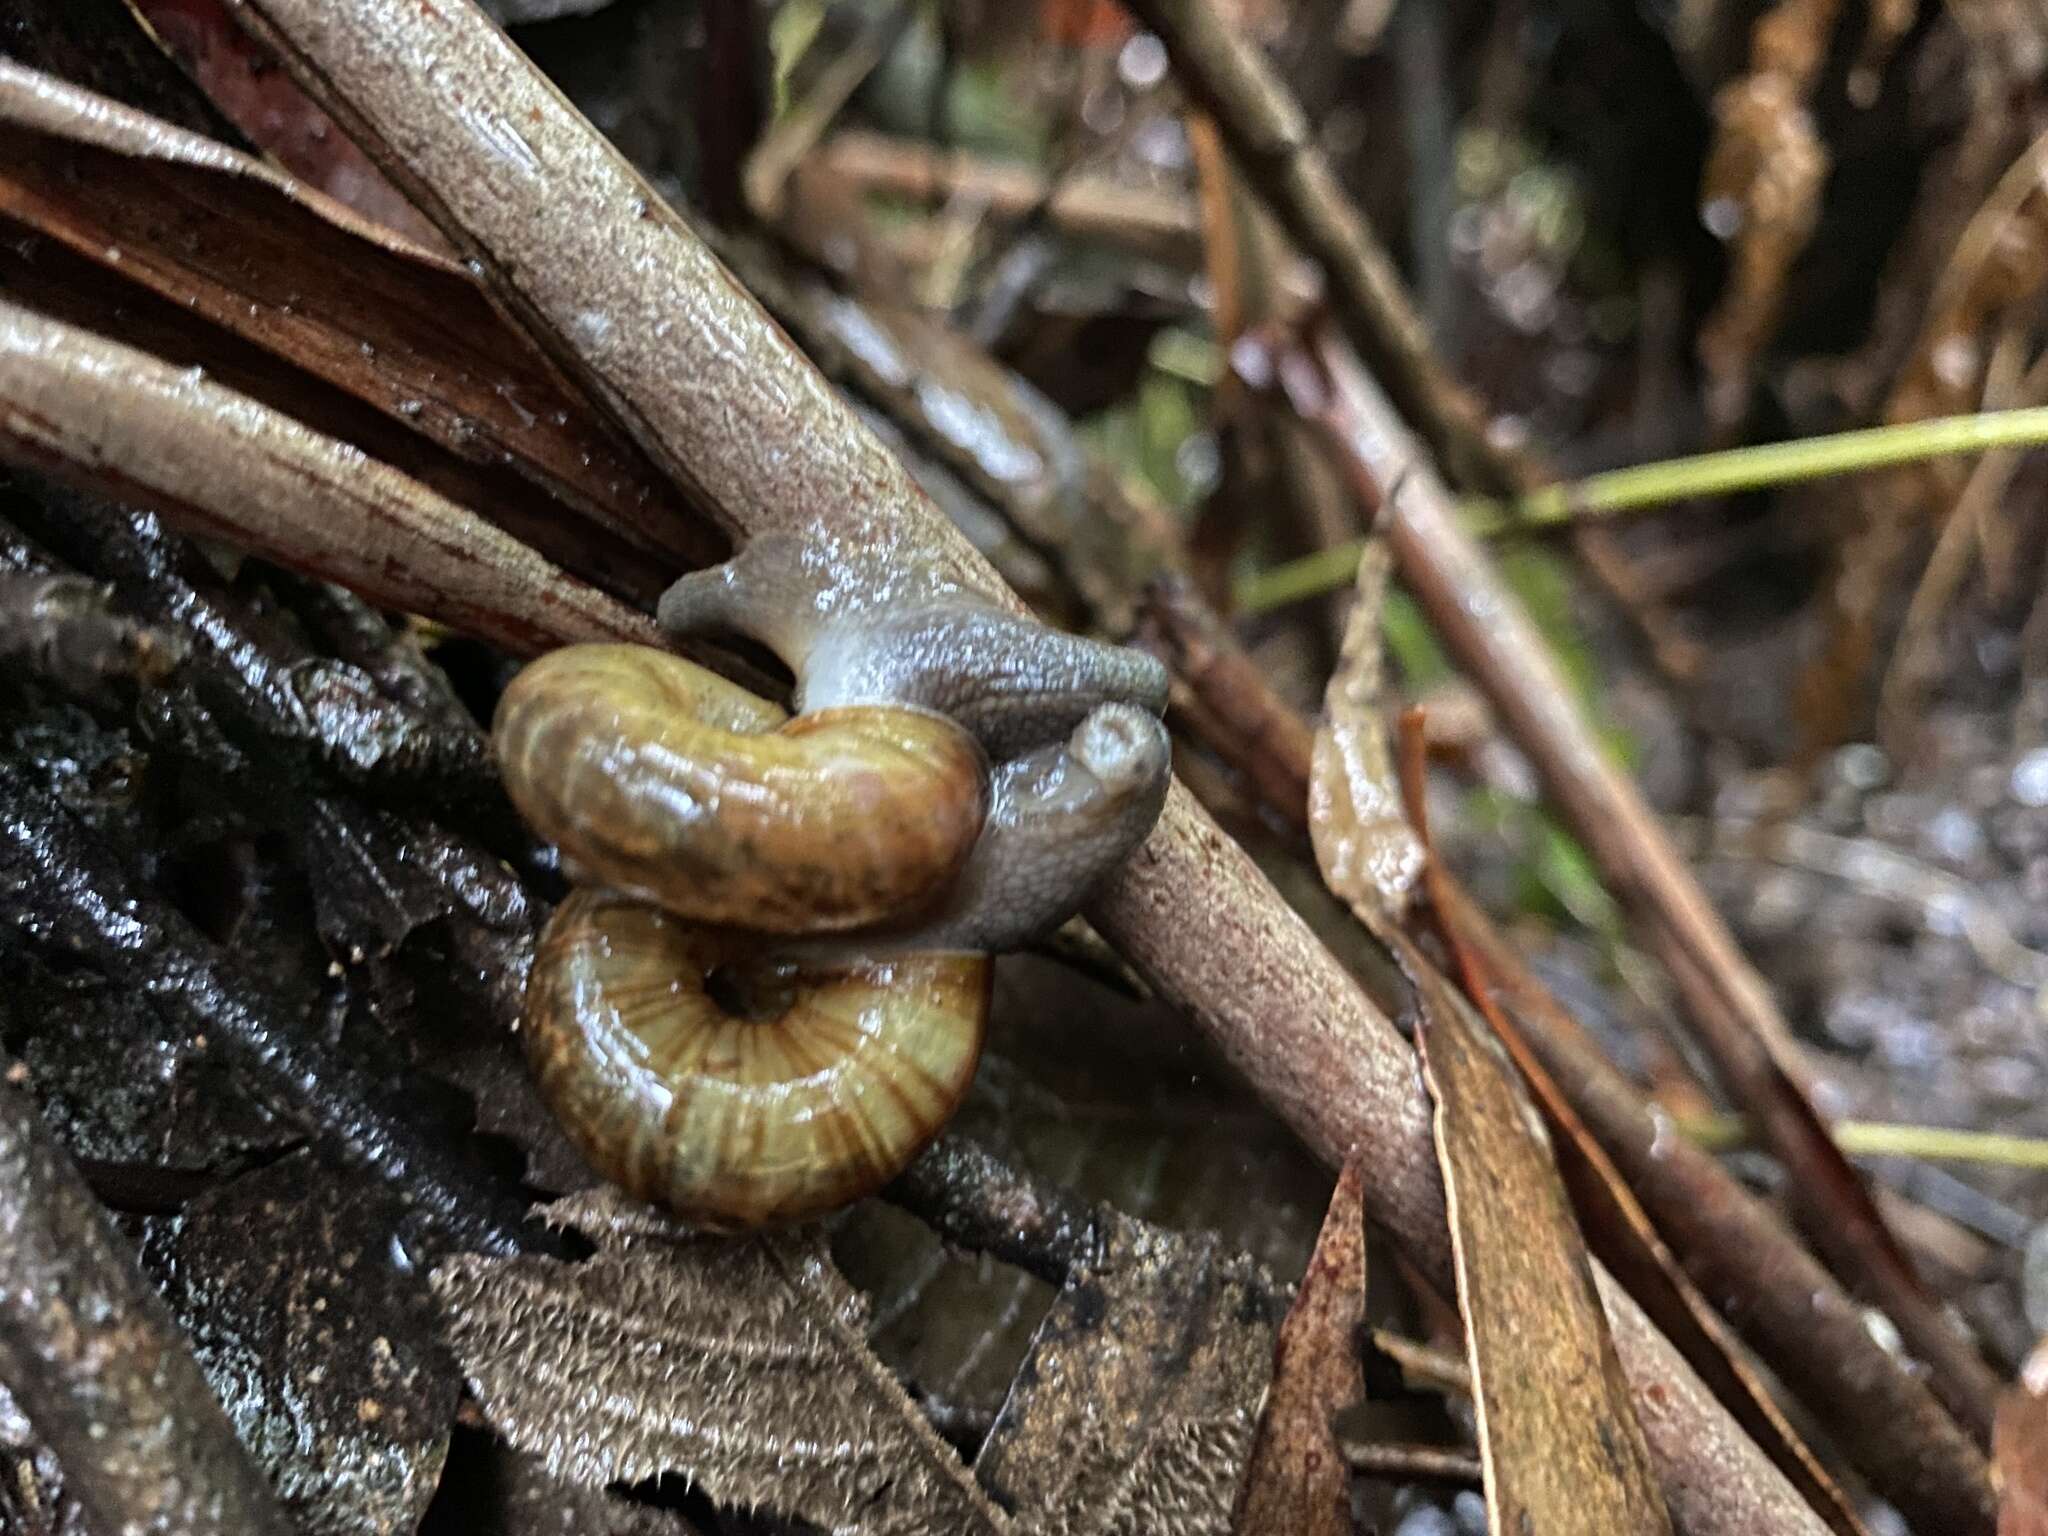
x: 1728, y: 1002
x: 1272, y: 141
x: 1879, y: 1138
x: 96, y: 413
x: 766, y: 178
x: 1411, y: 1463
x: 1086, y: 207
x: 974, y: 1200
x: 91, y: 1353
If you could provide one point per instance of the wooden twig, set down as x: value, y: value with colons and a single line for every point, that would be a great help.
x: 1087, y: 207
x: 1270, y: 137
x: 1411, y: 1463
x: 974, y: 1200
x: 92, y: 1355
x: 105, y: 416
x: 1730, y: 1006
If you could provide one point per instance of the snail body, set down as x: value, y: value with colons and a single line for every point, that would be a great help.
x: 770, y: 992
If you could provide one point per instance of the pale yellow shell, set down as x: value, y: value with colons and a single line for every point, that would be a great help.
x: 681, y: 801
x: 735, y: 1122
x: 657, y: 777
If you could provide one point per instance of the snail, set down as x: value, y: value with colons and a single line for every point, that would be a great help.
x: 769, y: 990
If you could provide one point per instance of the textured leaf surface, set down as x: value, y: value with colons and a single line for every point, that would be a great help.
x: 1364, y: 846
x: 737, y: 1362
x: 1136, y: 1407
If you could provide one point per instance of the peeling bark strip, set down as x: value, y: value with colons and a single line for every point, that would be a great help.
x: 439, y: 93
x: 92, y: 1355
x: 113, y: 419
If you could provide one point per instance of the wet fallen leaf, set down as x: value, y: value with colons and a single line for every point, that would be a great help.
x: 1614, y: 1222
x: 1558, y: 1438
x: 738, y: 1362
x: 1297, y: 1480
x: 1136, y: 1407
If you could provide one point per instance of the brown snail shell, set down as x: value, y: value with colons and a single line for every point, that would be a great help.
x: 658, y: 778
x: 735, y: 1121
x: 696, y: 803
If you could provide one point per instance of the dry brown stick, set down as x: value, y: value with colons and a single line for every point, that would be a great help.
x: 1271, y: 139
x: 91, y: 1354
x: 1485, y: 627
x: 103, y: 415
x: 1412, y: 1463
x: 632, y: 305
x: 1084, y: 206
x: 1424, y: 1367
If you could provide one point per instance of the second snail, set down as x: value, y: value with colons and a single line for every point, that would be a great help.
x: 768, y: 992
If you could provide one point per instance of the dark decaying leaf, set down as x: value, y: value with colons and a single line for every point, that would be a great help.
x: 406, y: 335
x: 491, y: 1487
x: 739, y: 1363
x: 1559, y: 1440
x: 244, y: 82
x: 2019, y: 1446
x: 1297, y: 1480
x: 1136, y: 1407
x: 320, y: 1341
x: 1109, y: 1101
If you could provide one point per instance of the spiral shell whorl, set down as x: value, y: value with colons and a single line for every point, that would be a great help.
x: 658, y: 778
x: 730, y: 1122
